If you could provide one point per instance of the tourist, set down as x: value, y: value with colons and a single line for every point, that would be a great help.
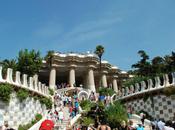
x: 76, y: 107
x: 123, y: 126
x: 131, y: 125
x: 142, y: 118
x: 140, y: 127
x: 5, y: 126
x: 129, y: 112
x: 168, y: 125
x: 60, y: 115
x: 161, y: 124
x: 103, y: 126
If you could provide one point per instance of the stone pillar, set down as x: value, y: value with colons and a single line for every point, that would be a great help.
x: 52, y: 78
x: 104, y: 80
x: 72, y: 76
x: 91, y: 83
x: 114, y: 83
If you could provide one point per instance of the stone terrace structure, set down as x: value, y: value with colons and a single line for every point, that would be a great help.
x: 82, y: 69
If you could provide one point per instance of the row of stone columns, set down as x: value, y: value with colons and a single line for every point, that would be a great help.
x: 90, y: 78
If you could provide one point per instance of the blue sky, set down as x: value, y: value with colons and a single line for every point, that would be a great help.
x: 122, y: 26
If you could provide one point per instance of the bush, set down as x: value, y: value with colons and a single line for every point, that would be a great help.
x: 134, y: 80
x: 86, y: 105
x: 34, y: 121
x: 38, y: 117
x: 46, y: 101
x: 22, y: 94
x: 115, y: 114
x: 51, y: 92
x: 106, y: 91
x: 5, y: 92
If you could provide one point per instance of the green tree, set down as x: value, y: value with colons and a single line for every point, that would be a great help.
x: 143, y: 67
x: 99, y: 51
x: 29, y: 62
x: 49, y: 57
x: 158, y: 65
x: 9, y: 64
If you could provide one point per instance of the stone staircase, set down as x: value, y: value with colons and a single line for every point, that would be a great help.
x: 66, y: 121
x: 136, y: 120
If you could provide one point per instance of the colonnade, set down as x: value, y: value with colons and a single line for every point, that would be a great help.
x: 90, y: 81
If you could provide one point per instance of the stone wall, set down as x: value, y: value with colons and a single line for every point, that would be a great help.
x: 17, y: 112
x: 164, y: 107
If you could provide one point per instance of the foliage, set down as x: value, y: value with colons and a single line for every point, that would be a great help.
x: 169, y: 91
x: 86, y: 121
x: 51, y: 92
x: 22, y: 94
x: 158, y: 65
x: 86, y: 105
x: 134, y: 80
x: 38, y: 117
x: 46, y: 101
x: 34, y: 121
x: 29, y: 62
x: 106, y: 91
x: 5, y: 92
x: 8, y: 64
x: 49, y: 57
x: 115, y: 114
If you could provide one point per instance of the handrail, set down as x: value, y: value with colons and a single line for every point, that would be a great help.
x: 142, y: 87
x: 31, y: 83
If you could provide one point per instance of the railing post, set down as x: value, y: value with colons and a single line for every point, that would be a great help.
x: 1, y: 79
x: 9, y: 78
x: 25, y: 84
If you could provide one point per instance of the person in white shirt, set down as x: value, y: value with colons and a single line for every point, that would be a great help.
x: 161, y: 125
x: 61, y: 115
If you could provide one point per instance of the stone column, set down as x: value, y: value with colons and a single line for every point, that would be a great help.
x: 52, y: 78
x: 104, y: 80
x: 114, y: 83
x: 72, y: 76
x: 91, y: 83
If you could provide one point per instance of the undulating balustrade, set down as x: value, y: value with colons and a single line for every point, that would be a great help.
x: 158, y: 83
x: 29, y: 83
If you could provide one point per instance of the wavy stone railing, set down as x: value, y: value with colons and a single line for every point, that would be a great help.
x: 31, y: 83
x: 150, y: 85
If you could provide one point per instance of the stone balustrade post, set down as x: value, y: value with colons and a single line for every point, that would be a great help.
x: 39, y: 87
x: 18, y: 78
x: 1, y: 79
x: 173, y: 77
x: 9, y: 75
x: 31, y: 83
x: 25, y: 83
x: 35, y: 80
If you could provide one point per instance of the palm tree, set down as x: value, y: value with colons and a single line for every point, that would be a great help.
x: 99, y: 51
x: 49, y: 57
x: 8, y: 64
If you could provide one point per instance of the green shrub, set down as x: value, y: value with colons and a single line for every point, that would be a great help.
x: 5, y: 92
x: 22, y: 94
x: 29, y: 125
x: 38, y: 117
x: 86, y: 105
x: 106, y: 91
x: 46, y: 101
x: 115, y: 114
x: 51, y: 92
x: 134, y: 80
